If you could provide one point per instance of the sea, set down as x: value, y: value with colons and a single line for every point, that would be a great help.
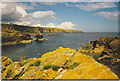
x: 66, y: 40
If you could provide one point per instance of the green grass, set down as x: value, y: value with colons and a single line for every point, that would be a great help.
x: 74, y: 65
x: 54, y: 67
x: 31, y: 65
x: 9, y: 73
x: 37, y: 63
x: 21, y: 64
x: 47, y: 66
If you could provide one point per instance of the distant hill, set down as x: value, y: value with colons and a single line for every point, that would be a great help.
x: 32, y: 29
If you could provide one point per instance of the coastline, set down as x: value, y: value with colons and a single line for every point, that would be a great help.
x: 62, y: 63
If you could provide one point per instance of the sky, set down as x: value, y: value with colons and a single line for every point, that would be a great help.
x: 85, y: 16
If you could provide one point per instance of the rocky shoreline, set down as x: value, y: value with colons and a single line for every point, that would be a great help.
x: 17, y: 34
x: 39, y: 37
x: 62, y: 63
x: 13, y: 37
x: 106, y: 50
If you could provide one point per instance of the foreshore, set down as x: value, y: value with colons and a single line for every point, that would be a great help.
x: 64, y: 63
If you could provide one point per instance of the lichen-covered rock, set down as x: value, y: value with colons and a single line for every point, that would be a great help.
x: 39, y: 37
x: 12, y: 37
x: 106, y: 51
x: 62, y: 63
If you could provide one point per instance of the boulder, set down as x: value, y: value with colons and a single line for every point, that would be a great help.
x: 107, y: 51
x: 62, y: 63
x: 39, y: 37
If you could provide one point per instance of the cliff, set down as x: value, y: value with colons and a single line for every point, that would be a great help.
x: 62, y: 63
x: 106, y: 51
x: 34, y: 30
x: 12, y: 37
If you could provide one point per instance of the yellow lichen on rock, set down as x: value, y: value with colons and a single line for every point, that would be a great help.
x: 62, y: 63
x: 88, y: 70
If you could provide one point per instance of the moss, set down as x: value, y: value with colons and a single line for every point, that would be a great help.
x: 21, y: 64
x: 9, y: 73
x: 31, y: 65
x: 47, y: 66
x: 54, y: 67
x: 37, y: 63
x: 74, y: 65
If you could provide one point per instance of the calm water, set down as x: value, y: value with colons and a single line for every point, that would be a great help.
x: 36, y: 49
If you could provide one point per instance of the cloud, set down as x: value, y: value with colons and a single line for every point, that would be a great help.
x: 50, y: 25
x: 92, y: 6
x: 43, y: 15
x: 16, y: 13
x: 49, y: 3
x: 30, y: 22
x: 10, y: 12
x: 66, y: 25
x: 108, y: 15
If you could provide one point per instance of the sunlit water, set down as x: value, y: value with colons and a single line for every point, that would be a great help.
x: 66, y: 40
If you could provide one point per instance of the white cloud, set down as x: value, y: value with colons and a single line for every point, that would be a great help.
x: 49, y: 3
x: 108, y: 15
x: 16, y: 13
x: 50, y: 25
x: 37, y: 25
x: 30, y: 22
x: 12, y: 12
x: 66, y: 25
x: 93, y: 6
x: 43, y: 14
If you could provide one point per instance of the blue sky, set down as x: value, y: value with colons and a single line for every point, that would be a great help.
x: 89, y: 17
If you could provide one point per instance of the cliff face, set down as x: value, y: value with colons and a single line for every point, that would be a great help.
x: 34, y: 30
x: 12, y: 37
x: 106, y: 50
x: 19, y: 28
x: 62, y: 63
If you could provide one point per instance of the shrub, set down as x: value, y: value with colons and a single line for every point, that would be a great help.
x: 37, y: 63
x: 21, y: 64
x: 47, y: 66
x: 31, y: 65
x: 9, y: 73
x: 74, y: 65
x: 54, y: 67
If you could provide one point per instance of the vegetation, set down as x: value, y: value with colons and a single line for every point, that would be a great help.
x: 74, y: 65
x: 31, y: 65
x: 9, y: 73
x: 54, y: 67
x: 37, y: 63
x: 33, y: 30
x: 21, y: 64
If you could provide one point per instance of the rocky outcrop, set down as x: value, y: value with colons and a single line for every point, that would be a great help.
x: 12, y: 37
x: 106, y: 51
x: 39, y: 37
x: 62, y: 63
